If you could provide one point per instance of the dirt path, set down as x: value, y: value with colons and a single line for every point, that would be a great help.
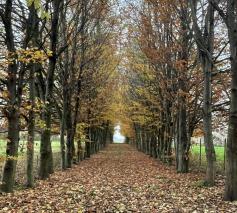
x: 119, y: 179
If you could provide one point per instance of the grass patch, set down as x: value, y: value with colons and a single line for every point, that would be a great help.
x: 195, y: 150
x: 22, y: 147
x: 195, y: 157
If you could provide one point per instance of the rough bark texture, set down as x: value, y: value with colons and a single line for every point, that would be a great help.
x: 32, y: 35
x: 207, y: 64
x: 231, y: 163
x: 31, y: 129
x: 205, y: 41
x: 12, y: 111
x: 207, y: 122
x: 71, y: 122
x: 46, y: 160
x: 183, y: 145
x: 65, y: 81
x: 62, y: 143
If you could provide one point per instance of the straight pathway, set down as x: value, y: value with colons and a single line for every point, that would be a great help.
x: 119, y: 179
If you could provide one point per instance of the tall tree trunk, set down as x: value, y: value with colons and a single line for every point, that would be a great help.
x: 12, y: 151
x: 32, y: 34
x: 73, y: 119
x: 46, y: 159
x: 183, y: 142
x: 62, y: 141
x: 231, y: 151
x: 231, y: 163
x: 70, y: 137
x: 66, y: 92
x: 31, y: 129
x: 13, y: 106
x: 205, y: 43
x: 207, y: 122
x: 207, y: 63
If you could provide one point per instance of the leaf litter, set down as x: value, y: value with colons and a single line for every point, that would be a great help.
x: 119, y: 179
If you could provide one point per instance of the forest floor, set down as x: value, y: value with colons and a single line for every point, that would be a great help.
x: 119, y: 179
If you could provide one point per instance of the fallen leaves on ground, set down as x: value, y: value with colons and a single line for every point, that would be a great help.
x: 119, y: 179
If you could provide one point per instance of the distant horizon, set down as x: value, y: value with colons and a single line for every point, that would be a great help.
x: 118, y: 137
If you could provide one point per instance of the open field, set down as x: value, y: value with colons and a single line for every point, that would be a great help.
x: 195, y: 153
x: 195, y: 150
x: 21, y: 164
x: 21, y: 168
x: 201, y: 165
x: 22, y: 146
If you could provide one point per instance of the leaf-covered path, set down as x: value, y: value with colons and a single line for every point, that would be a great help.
x: 119, y: 179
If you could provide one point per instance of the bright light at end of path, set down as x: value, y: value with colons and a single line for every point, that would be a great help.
x: 118, y: 137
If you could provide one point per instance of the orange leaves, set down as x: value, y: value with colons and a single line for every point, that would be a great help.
x: 119, y: 179
x: 181, y: 65
x: 163, y: 8
x: 182, y: 93
x: 198, y: 132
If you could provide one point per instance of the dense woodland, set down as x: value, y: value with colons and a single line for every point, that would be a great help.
x: 165, y: 70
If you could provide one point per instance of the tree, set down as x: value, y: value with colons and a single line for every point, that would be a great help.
x: 46, y: 160
x: 14, y: 97
x: 33, y: 31
x: 205, y: 44
x: 229, y: 18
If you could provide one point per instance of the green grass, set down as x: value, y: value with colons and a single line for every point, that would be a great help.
x: 195, y: 150
x: 195, y: 157
x: 22, y: 147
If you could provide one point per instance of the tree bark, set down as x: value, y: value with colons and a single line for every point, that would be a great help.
x: 13, y: 106
x: 62, y: 141
x: 31, y: 35
x: 31, y: 129
x: 205, y: 45
x: 231, y: 151
x: 183, y: 142
x: 207, y: 122
x: 46, y: 159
